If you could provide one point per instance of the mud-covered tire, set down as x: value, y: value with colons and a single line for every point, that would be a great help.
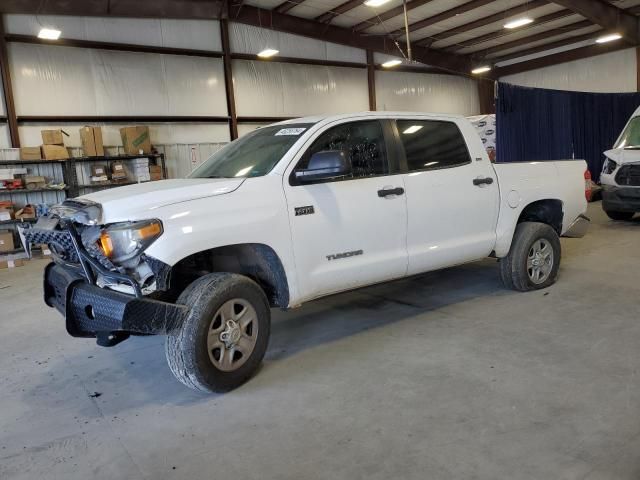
x: 187, y: 347
x: 514, y: 271
x: 613, y: 215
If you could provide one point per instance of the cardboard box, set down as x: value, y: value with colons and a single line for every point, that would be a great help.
x: 11, y: 263
x: 6, y: 210
x: 155, y: 172
x: 6, y: 241
x: 30, y: 153
x: 53, y: 137
x: 54, y: 152
x: 33, y: 182
x: 135, y: 139
x: 91, y: 138
x: 26, y: 212
x: 118, y: 171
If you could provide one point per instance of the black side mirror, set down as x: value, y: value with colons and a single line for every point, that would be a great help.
x: 324, y: 166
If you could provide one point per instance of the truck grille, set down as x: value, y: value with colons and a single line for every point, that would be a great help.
x: 58, y: 241
x: 629, y: 175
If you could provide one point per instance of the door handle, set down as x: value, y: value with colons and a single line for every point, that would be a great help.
x: 482, y: 181
x: 390, y: 191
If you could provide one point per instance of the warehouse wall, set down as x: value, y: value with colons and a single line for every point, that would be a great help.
x: 51, y: 80
x: 611, y: 73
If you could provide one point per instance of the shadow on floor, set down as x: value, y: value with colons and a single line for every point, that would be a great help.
x: 135, y: 372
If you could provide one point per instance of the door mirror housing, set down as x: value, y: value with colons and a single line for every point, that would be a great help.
x: 326, y: 165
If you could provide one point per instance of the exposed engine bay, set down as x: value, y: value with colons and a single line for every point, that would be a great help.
x: 109, y: 256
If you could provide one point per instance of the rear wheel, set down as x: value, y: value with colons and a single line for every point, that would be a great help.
x: 534, y: 258
x: 613, y: 215
x: 224, y: 338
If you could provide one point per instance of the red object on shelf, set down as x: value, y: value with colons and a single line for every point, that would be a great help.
x: 13, y: 184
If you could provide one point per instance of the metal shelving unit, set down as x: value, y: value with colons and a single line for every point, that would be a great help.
x: 66, y: 171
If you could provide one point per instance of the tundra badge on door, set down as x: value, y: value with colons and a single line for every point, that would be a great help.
x: 338, y: 256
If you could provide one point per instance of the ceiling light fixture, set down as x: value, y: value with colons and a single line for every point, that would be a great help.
x: 609, y: 38
x: 49, y: 34
x: 375, y: 3
x: 520, y: 22
x: 268, y: 52
x: 391, y: 63
x: 482, y: 69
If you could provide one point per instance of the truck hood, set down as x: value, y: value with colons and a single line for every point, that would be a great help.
x: 622, y: 156
x: 137, y: 201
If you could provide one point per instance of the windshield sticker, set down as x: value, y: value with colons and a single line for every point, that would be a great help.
x: 290, y: 131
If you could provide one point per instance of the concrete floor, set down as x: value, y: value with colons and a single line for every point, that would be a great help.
x: 447, y: 376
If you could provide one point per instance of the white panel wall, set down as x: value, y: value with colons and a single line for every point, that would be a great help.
x: 251, y: 40
x: 609, y: 73
x: 50, y: 80
x: 5, y: 141
x: 194, y: 34
x: 419, y: 92
x: 282, y: 89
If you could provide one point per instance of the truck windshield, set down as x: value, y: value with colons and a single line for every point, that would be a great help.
x: 253, y: 155
x: 630, y: 138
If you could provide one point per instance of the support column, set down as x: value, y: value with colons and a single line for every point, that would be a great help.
x: 638, y: 69
x: 371, y: 80
x: 228, y: 79
x: 7, y: 89
x: 486, y: 94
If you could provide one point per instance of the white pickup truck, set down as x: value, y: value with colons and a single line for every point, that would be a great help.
x: 292, y: 212
x: 620, y: 178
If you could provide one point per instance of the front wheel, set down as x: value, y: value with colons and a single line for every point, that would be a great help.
x: 534, y: 258
x: 222, y: 341
x: 613, y: 215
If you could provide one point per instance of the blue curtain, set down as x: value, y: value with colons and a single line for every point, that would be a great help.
x: 540, y: 124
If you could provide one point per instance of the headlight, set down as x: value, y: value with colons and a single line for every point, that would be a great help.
x: 609, y: 166
x: 123, y: 241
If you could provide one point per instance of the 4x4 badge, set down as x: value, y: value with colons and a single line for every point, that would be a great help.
x: 308, y: 210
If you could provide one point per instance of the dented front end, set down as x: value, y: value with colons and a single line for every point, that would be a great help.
x: 100, y: 296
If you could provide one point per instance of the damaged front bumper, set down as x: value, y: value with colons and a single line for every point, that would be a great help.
x: 109, y: 316
x: 620, y: 199
x: 73, y: 284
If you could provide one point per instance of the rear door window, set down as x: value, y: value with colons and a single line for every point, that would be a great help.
x: 432, y: 144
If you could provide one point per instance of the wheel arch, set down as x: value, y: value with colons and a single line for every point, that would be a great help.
x: 257, y: 261
x: 549, y: 211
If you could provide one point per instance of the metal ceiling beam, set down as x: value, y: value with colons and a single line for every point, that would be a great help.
x: 481, y: 22
x: 447, y: 14
x: 607, y: 16
x: 339, y: 10
x: 387, y: 15
x: 251, y: 15
x: 287, y: 5
x: 548, y: 46
x: 557, y: 58
x: 503, y: 32
x: 529, y: 39
x: 117, y: 8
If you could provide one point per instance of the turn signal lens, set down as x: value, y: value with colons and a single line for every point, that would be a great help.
x: 122, y: 242
x: 151, y: 230
x: 106, y: 245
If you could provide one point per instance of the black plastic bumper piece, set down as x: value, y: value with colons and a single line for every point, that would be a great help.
x: 620, y: 199
x: 109, y: 316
